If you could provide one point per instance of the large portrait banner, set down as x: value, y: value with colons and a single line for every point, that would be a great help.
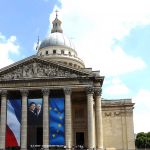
x: 13, y: 123
x: 35, y: 122
x: 35, y: 112
x: 57, y: 128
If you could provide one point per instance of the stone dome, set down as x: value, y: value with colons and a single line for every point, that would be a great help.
x: 57, y: 39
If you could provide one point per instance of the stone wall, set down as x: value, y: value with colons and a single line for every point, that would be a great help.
x: 118, y: 129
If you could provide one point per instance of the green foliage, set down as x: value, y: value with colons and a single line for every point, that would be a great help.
x: 143, y: 140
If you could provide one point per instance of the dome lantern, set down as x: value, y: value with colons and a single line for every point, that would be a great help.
x: 56, y: 25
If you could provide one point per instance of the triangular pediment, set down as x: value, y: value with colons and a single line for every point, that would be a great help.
x: 36, y: 68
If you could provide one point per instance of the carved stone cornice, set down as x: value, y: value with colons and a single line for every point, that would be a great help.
x: 24, y: 92
x: 67, y: 91
x: 90, y: 90
x: 98, y: 91
x: 45, y: 91
x: 3, y: 92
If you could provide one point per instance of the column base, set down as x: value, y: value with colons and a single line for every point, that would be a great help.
x: 95, y: 149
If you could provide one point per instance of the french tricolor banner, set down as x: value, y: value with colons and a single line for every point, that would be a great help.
x: 13, y: 123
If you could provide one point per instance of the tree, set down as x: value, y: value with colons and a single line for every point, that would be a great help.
x: 143, y: 140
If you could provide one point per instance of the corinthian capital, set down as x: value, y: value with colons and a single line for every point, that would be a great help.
x: 98, y: 91
x: 24, y: 92
x: 67, y: 91
x: 89, y: 90
x: 45, y: 91
x: 3, y: 92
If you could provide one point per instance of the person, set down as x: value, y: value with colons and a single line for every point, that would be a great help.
x: 32, y: 114
x: 31, y: 124
x: 39, y: 114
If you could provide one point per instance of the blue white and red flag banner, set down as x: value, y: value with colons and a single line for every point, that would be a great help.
x: 13, y: 123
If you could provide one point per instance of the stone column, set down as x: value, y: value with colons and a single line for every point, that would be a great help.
x: 68, y: 118
x: 124, y: 129
x: 24, y: 94
x: 3, y: 119
x: 90, y: 118
x: 98, y: 115
x: 45, y: 118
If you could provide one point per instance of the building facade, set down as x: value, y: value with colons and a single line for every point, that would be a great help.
x: 69, y: 96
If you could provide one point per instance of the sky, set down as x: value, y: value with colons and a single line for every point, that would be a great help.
x: 112, y: 36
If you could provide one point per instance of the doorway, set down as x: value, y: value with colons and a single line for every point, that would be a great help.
x: 79, y: 138
x: 39, y: 136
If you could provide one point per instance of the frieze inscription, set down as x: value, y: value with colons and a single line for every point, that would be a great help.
x: 108, y: 114
x: 115, y: 114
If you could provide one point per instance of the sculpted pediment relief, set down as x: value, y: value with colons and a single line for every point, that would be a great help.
x: 37, y: 69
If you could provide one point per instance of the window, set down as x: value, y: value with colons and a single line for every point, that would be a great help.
x: 70, y: 64
x: 75, y: 65
x: 69, y: 53
x: 62, y: 51
x: 46, y: 52
x: 54, y: 51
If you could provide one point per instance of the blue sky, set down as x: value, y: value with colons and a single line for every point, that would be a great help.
x: 110, y: 36
x: 26, y: 20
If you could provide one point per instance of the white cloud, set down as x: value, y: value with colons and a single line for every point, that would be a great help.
x: 115, y: 87
x: 95, y: 24
x: 112, y: 62
x: 142, y: 111
x: 7, y: 46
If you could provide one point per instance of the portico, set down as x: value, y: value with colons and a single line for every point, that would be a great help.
x: 70, y: 94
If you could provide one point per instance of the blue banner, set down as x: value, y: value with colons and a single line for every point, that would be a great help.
x: 57, y: 136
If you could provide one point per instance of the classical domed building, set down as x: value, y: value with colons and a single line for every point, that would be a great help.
x: 52, y: 101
